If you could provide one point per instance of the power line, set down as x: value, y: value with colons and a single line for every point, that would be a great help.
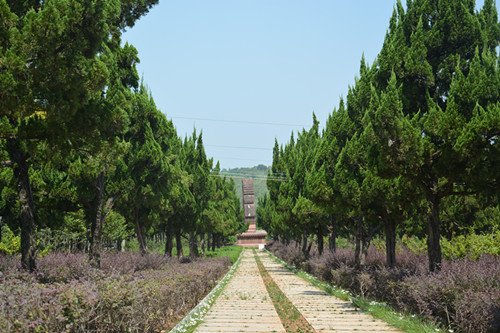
x: 242, y: 159
x: 239, y: 121
x: 249, y: 172
x: 249, y: 175
x: 235, y: 147
x: 257, y: 178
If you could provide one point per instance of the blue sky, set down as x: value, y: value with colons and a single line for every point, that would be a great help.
x: 270, y: 62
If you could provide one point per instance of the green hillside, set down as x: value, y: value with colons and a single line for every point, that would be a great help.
x: 258, y: 173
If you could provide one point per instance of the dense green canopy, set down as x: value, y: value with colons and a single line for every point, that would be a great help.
x: 82, y: 144
x: 418, y: 130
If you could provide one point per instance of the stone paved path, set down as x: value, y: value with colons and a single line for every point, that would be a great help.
x: 324, y: 312
x: 245, y: 306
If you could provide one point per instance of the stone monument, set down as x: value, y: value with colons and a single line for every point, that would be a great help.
x: 251, y: 237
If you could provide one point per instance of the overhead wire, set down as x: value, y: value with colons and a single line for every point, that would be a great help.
x: 239, y: 121
x: 236, y: 147
x: 259, y: 175
x: 245, y: 177
x: 248, y: 172
x: 243, y: 159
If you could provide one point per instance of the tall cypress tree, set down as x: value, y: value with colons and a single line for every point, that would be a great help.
x: 427, y: 128
x: 52, y: 67
x: 41, y: 92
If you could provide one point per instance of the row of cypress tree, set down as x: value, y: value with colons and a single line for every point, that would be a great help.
x: 414, y: 147
x: 82, y: 143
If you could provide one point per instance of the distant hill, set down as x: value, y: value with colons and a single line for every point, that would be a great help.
x: 259, y: 175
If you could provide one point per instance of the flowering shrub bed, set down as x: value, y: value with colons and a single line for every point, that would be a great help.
x: 464, y: 296
x: 131, y: 293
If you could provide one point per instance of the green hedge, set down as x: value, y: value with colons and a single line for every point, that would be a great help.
x: 459, y: 247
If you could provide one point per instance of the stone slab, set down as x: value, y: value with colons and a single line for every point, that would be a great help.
x: 244, y: 305
x: 324, y: 312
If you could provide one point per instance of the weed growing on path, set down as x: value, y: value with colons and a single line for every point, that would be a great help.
x: 291, y: 318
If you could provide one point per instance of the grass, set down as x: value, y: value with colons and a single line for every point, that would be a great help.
x: 231, y: 251
x: 406, y: 322
x: 291, y: 318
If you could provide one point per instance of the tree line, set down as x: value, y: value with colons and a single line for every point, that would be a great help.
x: 413, y: 148
x: 82, y: 145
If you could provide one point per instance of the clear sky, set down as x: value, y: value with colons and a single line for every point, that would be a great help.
x: 247, y: 72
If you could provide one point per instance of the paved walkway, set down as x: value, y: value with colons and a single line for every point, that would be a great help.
x: 324, y: 312
x: 245, y: 306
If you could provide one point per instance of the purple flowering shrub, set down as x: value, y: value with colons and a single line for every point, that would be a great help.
x: 63, y: 267
x: 291, y: 254
x: 464, y: 296
x: 130, y: 293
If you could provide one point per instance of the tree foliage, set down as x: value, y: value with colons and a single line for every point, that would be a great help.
x: 83, y: 147
x: 416, y: 137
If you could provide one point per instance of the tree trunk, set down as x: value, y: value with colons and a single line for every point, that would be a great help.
x: 434, y: 234
x: 359, y: 236
x: 308, y: 251
x: 390, y: 239
x: 320, y: 241
x: 193, y: 245
x: 25, y: 195
x: 390, y: 243
x: 88, y: 223
x: 96, y: 240
x: 202, y: 243
x: 209, y: 244
x: 304, y: 242
x: 365, y: 245
x: 178, y: 243
x: 169, y: 239
x: 332, y: 238
x: 214, y: 238
x: 140, y: 234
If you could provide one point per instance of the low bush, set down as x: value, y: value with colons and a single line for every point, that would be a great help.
x: 9, y: 243
x: 292, y: 253
x: 459, y: 247
x: 131, y: 293
x: 473, y: 246
x: 464, y: 296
